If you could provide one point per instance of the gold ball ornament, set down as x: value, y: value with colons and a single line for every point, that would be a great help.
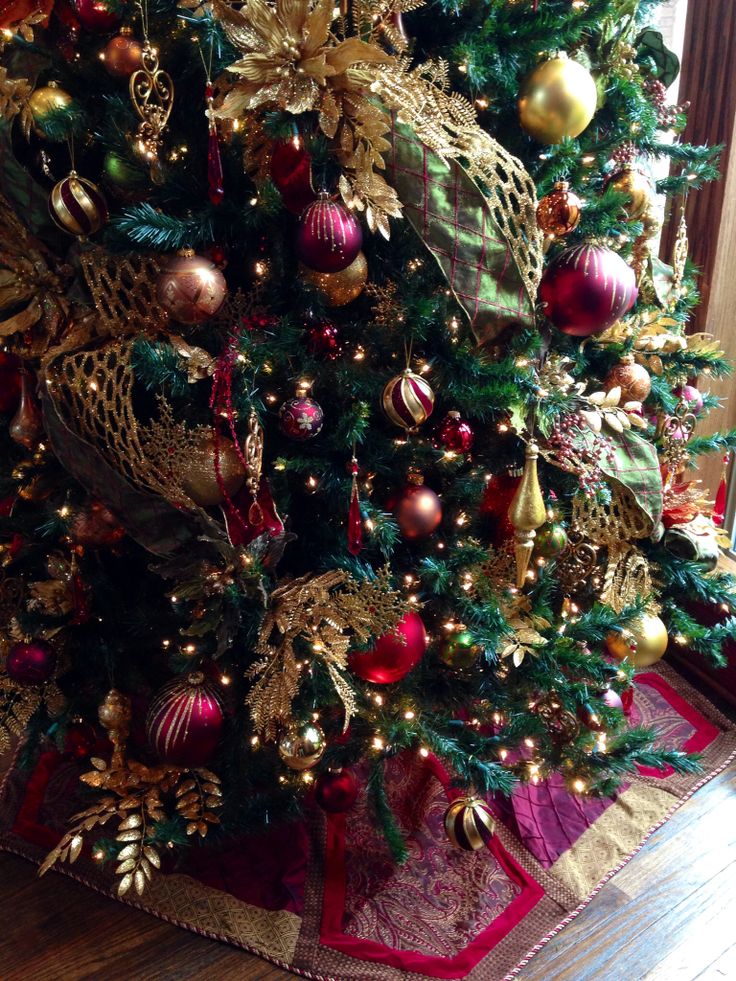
x: 637, y: 187
x: 302, y: 745
x: 558, y: 213
x: 199, y: 480
x: 338, y: 288
x: 558, y: 99
x: 632, y: 378
x: 46, y: 100
x: 644, y: 642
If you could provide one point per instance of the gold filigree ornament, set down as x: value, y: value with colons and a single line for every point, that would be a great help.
x: 628, y: 578
x: 152, y: 95
x: 325, y: 615
x: 675, y: 435
x: 136, y: 798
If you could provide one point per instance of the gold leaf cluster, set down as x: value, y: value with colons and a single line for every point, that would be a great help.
x: 326, y: 614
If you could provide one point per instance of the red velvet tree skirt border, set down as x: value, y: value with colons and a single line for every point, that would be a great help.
x: 323, y: 898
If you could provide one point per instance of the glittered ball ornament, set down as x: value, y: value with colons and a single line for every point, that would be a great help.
x: 47, y: 100
x: 632, y: 378
x: 418, y: 511
x: 407, y: 400
x: 558, y: 213
x: 586, y: 289
x: 302, y: 745
x: 643, y: 642
x: 329, y: 236
x: 338, y: 288
x: 290, y: 167
x: 336, y: 790
x: 30, y: 663
x: 550, y: 540
x: 692, y: 398
x: 454, y: 434
x: 185, y: 721
x: 77, y: 206
x: 98, y: 16
x: 122, y: 54
x: 394, y: 654
x: 10, y: 382
x: 190, y: 288
x: 637, y: 187
x: 199, y: 479
x: 469, y: 823
x: 301, y: 418
x: 460, y: 651
x: 558, y: 99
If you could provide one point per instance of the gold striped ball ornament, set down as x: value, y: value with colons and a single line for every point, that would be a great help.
x: 77, y: 206
x: 469, y: 823
x: 408, y: 400
x: 558, y: 99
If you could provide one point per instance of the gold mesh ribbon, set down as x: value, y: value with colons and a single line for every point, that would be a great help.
x: 607, y: 524
x: 123, y: 288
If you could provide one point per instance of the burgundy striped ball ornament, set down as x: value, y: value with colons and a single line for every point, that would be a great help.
x: 185, y: 721
x: 408, y: 400
x: 469, y: 823
x: 77, y: 206
x: 329, y: 236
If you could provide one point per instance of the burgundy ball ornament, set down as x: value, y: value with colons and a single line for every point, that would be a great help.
x: 453, y: 434
x: 329, y: 236
x: 586, y: 289
x: 418, y: 511
x: 323, y: 340
x: 96, y: 15
x: 77, y: 206
x: 336, y: 790
x: 407, y: 400
x: 301, y: 418
x: 122, y: 54
x: 291, y: 171
x: 393, y: 655
x: 469, y: 823
x: 190, y: 288
x: 30, y: 663
x: 185, y: 721
x: 691, y: 396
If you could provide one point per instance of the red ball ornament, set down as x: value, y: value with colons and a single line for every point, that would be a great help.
x: 96, y: 15
x: 329, y: 236
x: 79, y: 740
x: 418, y: 511
x: 30, y: 663
x: 191, y: 288
x: 10, y: 382
x: 185, y: 720
x: 394, y: 654
x: 291, y: 171
x: 586, y: 289
x: 454, y: 434
x: 407, y: 400
x: 122, y: 54
x: 323, y: 340
x: 336, y: 791
x: 469, y: 823
x: 497, y: 498
x: 301, y: 418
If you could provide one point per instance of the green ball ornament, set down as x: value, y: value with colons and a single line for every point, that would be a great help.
x: 121, y: 176
x: 551, y: 540
x: 460, y: 651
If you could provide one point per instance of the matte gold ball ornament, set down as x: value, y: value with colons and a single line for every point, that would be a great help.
x: 338, y: 288
x: 558, y: 99
x: 199, y: 480
x: 643, y: 642
x: 302, y: 745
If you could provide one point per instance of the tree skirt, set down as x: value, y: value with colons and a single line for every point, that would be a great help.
x: 323, y: 898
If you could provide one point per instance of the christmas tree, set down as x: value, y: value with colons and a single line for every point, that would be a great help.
x: 348, y: 406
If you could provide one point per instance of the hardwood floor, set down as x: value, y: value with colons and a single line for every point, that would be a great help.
x: 668, y: 916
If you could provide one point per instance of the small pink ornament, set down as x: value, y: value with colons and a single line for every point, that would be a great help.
x: 691, y: 396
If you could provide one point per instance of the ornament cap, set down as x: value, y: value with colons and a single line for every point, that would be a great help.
x: 185, y: 253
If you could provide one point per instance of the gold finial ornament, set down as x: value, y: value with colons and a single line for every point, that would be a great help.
x: 527, y: 512
x: 114, y: 714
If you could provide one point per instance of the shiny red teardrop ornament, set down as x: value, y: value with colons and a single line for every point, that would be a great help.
x: 719, y: 506
x: 215, y: 176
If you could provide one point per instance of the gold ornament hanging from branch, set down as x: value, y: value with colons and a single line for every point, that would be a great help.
x: 152, y: 94
x: 527, y: 513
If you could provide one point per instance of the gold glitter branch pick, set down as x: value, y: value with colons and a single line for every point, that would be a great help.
x: 254, y: 458
x: 152, y: 95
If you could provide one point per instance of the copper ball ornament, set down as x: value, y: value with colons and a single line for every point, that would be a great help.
x: 643, y: 642
x: 122, y: 54
x: 336, y: 790
x: 558, y: 213
x: 633, y: 379
x: 301, y: 418
x: 638, y: 188
x: 77, y: 206
x: 394, y: 654
x: 558, y: 99
x: 407, y: 400
x: 329, y: 236
x: 30, y: 663
x: 302, y: 745
x: 199, y: 478
x: 185, y: 721
x: 586, y: 289
x: 469, y: 823
x: 418, y: 511
x: 337, y: 289
x: 190, y: 288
